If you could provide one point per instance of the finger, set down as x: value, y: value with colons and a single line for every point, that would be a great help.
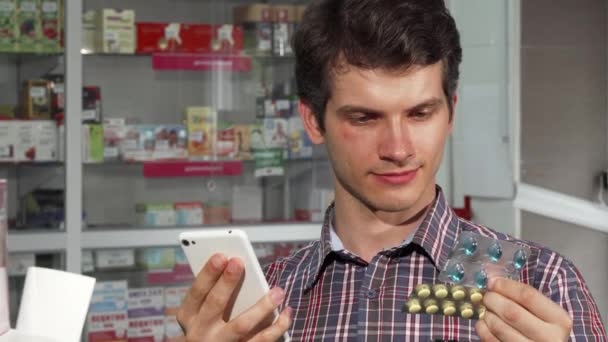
x: 531, y: 299
x: 502, y: 330
x: 217, y: 300
x: 204, y: 282
x: 277, y: 329
x: 247, y: 322
x: 516, y: 316
x: 484, y: 332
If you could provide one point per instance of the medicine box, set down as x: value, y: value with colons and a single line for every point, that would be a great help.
x: 8, y: 26
x: 36, y: 141
x: 114, y: 258
x: 155, y: 215
x: 8, y: 140
x: 107, y: 318
x: 189, y: 213
x: 115, y: 31
x: 201, y: 123
x: 157, y: 258
x: 146, y: 302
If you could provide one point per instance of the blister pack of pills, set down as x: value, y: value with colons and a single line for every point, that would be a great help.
x: 476, y: 259
x: 447, y: 300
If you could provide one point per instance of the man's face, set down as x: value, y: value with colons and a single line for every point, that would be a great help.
x: 385, y: 134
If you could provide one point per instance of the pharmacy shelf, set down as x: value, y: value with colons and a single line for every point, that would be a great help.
x: 147, y: 237
x: 22, y: 242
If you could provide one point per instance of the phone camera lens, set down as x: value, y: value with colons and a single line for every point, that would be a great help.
x: 186, y: 243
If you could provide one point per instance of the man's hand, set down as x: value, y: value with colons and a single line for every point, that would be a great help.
x: 207, y: 301
x: 519, y: 312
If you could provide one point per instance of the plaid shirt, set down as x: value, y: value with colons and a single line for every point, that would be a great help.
x: 337, y: 296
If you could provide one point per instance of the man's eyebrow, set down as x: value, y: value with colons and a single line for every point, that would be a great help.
x: 350, y: 109
x: 432, y: 102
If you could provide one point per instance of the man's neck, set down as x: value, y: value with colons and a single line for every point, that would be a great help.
x: 366, y: 232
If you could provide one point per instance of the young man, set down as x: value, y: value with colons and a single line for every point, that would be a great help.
x: 377, y: 81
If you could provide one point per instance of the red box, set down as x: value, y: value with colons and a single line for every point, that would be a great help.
x: 188, y: 38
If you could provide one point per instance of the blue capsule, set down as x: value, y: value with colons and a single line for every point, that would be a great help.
x: 519, y: 258
x: 456, y: 272
x: 469, y: 244
x: 495, y: 252
x: 481, y: 279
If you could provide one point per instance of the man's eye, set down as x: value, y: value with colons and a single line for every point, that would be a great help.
x: 421, y: 115
x: 362, y: 119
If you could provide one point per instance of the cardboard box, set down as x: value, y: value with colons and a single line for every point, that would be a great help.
x: 150, y: 329
x: 201, y: 123
x: 8, y: 140
x: 271, y: 108
x: 300, y: 145
x: 36, y: 141
x: 114, y: 258
x: 51, y: 26
x: 107, y: 318
x: 155, y: 215
x: 146, y: 302
x: 170, y: 142
x: 217, y: 213
x: 156, y: 258
x: 226, y: 144
x: 256, y: 20
x: 139, y: 143
x: 241, y: 142
x: 92, y: 143
x: 174, y: 296
x: 172, y: 329
x: 189, y: 213
x: 115, y: 31
x: 88, y: 262
x: 8, y: 26
x: 188, y: 38
x: 28, y: 22
x: 89, y: 32
x: 283, y: 29
x: 91, y: 104
x: 114, y: 132
x: 36, y: 100
x: 275, y: 133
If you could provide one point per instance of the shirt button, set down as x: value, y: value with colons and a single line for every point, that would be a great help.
x: 372, y: 294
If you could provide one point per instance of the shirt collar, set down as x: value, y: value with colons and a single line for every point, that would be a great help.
x: 436, y: 235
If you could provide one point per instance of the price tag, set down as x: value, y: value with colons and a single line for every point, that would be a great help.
x: 37, y: 92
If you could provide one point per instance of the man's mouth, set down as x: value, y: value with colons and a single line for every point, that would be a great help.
x: 397, y: 177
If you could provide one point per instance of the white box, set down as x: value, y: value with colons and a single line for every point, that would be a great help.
x: 36, y: 141
x: 147, y: 328
x: 88, y: 264
x: 114, y: 258
x: 146, y: 302
x: 115, y: 31
x: 174, y: 296
x: 246, y: 203
x: 114, y: 132
x: 172, y: 328
x: 19, y: 263
x: 107, y: 317
x: 8, y: 140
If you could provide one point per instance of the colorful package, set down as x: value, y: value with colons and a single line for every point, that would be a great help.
x: 92, y: 143
x: 28, y: 21
x: 8, y: 140
x: 155, y: 215
x: 241, y: 142
x: 114, y: 132
x: 8, y: 26
x: 189, y: 213
x: 36, y: 141
x: 170, y: 142
x: 50, y: 23
x: 107, y: 318
x: 300, y: 145
x: 225, y: 145
x: 115, y: 31
x: 201, y: 123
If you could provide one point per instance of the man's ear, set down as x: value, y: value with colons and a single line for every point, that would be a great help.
x: 310, y: 123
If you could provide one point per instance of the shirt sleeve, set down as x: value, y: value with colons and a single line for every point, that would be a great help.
x: 561, y: 281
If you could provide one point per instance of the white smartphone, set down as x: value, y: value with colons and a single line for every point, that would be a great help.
x: 200, y: 245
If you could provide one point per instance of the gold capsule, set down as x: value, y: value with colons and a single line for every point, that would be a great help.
x: 430, y: 306
x: 423, y: 290
x: 466, y: 310
x: 475, y: 295
x: 413, y: 306
x: 440, y: 290
x: 458, y: 292
x: 448, y: 308
x: 481, y: 311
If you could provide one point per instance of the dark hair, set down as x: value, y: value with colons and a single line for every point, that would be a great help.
x: 370, y: 34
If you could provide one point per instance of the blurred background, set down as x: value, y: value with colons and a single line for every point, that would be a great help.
x: 123, y: 123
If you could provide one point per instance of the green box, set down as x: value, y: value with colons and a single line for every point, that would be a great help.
x: 156, y: 258
x: 50, y: 26
x: 8, y: 26
x: 28, y: 22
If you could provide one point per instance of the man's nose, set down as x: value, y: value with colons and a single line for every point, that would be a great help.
x: 395, y: 142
